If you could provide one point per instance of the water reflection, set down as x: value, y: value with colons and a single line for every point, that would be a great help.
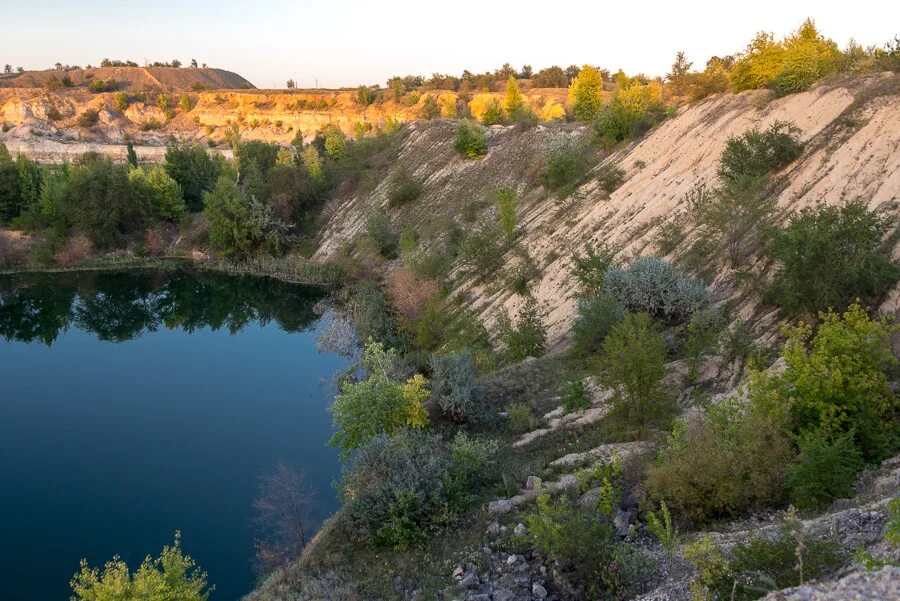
x: 120, y: 306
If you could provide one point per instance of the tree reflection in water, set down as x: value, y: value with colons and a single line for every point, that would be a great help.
x: 119, y: 306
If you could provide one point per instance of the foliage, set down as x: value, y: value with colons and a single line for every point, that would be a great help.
x: 585, y: 548
x: 403, y: 488
x: 506, y: 211
x: 194, y: 170
x: 849, y: 240
x: 481, y: 252
x: 633, y: 110
x: 662, y: 527
x: 761, y: 565
x: 378, y: 404
x: 586, y: 94
x: 379, y: 227
x: 576, y: 396
x: 653, y: 285
x: 632, y: 365
x: 835, y: 382
x: 589, y: 270
x: 824, y: 470
x: 566, y: 163
x: 11, y: 204
x: 702, y: 336
x: 610, y: 178
x: 471, y: 141
x: 166, y: 199
x: 757, y: 153
x: 172, y: 575
x: 88, y: 118
x: 493, y: 112
x: 788, y: 66
x: 263, y: 154
x: 711, y: 564
x: 103, y: 203
x: 519, y: 418
x: 228, y: 211
x: 731, y: 463
x: 527, y: 337
x: 335, y: 141
x: 453, y: 386
x: 403, y: 188
x: 596, y: 318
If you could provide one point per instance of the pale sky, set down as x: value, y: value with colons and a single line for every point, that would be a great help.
x: 351, y: 42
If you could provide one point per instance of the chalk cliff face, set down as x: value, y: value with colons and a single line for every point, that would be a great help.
x: 44, y: 125
x: 852, y: 134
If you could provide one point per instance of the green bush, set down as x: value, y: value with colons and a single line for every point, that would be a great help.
x: 399, y: 489
x: 527, y: 337
x: 702, y: 338
x: 453, y: 386
x: 589, y: 270
x: 379, y: 227
x: 576, y: 396
x: 378, y: 404
x: 166, y: 199
x: 835, y: 382
x: 824, y: 470
x: 519, y: 418
x: 610, y: 178
x: 849, y: 240
x: 481, y: 253
x: 729, y: 464
x: 595, y: 320
x: 506, y: 211
x: 566, y: 164
x: 633, y: 365
x: 89, y: 118
x: 493, y: 112
x: 471, y: 141
x: 403, y: 188
x: 616, y: 121
x: 758, y: 153
x: 228, y: 211
x: 586, y: 550
x: 653, y: 285
x: 172, y: 575
x: 762, y: 565
x: 402, y: 489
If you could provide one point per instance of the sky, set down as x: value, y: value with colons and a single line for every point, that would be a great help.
x: 336, y: 43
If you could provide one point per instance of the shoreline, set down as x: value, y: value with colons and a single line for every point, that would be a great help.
x: 304, y: 273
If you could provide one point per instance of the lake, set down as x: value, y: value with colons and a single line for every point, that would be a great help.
x: 137, y: 403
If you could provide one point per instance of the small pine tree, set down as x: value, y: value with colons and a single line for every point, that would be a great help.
x: 506, y: 209
x: 586, y: 94
x: 513, y: 103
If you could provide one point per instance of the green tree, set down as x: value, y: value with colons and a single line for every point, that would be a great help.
x: 378, y: 404
x: 194, y: 170
x: 506, y: 211
x: 10, y: 193
x: 173, y: 575
x: 335, y: 141
x: 633, y: 365
x: 30, y: 178
x: 586, y: 94
x: 166, y: 199
x: 311, y: 160
x: 103, y: 203
x: 471, y: 141
x: 131, y: 154
x: 849, y: 239
x: 527, y: 337
x: 228, y: 211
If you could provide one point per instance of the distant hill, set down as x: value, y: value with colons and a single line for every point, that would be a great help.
x: 134, y: 78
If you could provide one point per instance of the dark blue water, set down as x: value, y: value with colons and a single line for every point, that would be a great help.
x: 136, y: 404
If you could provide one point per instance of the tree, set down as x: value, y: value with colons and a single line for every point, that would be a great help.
x: 379, y: 404
x: 586, y: 93
x: 7, y: 68
x: 633, y: 365
x: 172, y: 575
x: 282, y: 513
x: 194, y: 170
x: 526, y: 72
x: 193, y: 63
x: 176, y: 63
x: 228, y: 211
x: 680, y: 74
x: 471, y: 141
x: 850, y: 240
x: 365, y: 96
x: 166, y: 198
x: 551, y: 77
x: 513, y: 102
x: 103, y: 203
x: 335, y: 141
x: 130, y: 154
x: 527, y: 337
x: 291, y: 84
x: 10, y: 193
